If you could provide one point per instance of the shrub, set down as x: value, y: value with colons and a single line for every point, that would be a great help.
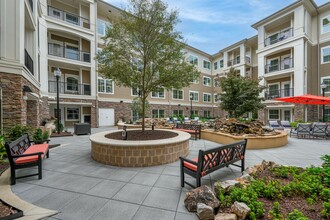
x: 3, y: 153
x: 276, y: 212
x: 326, y: 210
x: 326, y: 159
x: 295, y: 215
x: 18, y: 130
x: 39, y: 135
x: 59, y: 127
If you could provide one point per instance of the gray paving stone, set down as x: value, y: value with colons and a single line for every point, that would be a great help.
x: 148, y: 179
x: 57, y: 200
x: 35, y: 193
x: 80, y: 184
x: 154, y: 169
x: 82, y: 208
x: 106, y: 188
x: 146, y: 213
x: 185, y: 216
x: 172, y: 170
x: 122, y: 175
x: 169, y: 182
x: 132, y: 193
x: 21, y: 187
x: 115, y: 210
x: 157, y: 196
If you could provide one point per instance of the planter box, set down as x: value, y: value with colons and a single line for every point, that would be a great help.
x: 12, y: 216
x: 82, y: 128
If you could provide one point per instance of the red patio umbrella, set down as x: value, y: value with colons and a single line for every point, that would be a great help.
x: 306, y: 99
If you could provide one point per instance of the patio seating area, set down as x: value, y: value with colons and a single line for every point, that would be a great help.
x: 80, y: 188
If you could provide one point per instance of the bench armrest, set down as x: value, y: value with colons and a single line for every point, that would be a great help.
x: 26, y: 155
x: 188, y: 160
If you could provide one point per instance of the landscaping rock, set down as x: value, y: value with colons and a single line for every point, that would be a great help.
x: 245, y: 179
x: 225, y: 186
x: 203, y: 194
x: 204, y: 212
x: 240, y: 209
x: 251, y: 170
x: 225, y: 216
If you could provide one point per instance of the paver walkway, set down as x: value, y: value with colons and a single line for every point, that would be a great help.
x: 81, y: 188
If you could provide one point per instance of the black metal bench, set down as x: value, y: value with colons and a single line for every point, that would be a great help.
x: 22, y: 153
x: 191, y: 129
x: 212, y: 160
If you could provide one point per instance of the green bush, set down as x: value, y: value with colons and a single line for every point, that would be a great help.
x: 59, y: 127
x: 18, y: 130
x: 39, y: 135
x: 276, y: 212
x: 326, y: 159
x: 3, y: 153
x: 296, y: 215
x: 326, y: 210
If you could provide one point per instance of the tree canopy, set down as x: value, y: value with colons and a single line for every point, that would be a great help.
x: 144, y: 51
x: 239, y: 94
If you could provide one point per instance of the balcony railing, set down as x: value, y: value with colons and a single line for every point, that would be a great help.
x: 282, y: 35
x: 68, y: 52
x: 247, y: 60
x: 69, y: 88
x: 29, y: 62
x: 31, y: 4
x: 280, y: 93
x: 233, y: 62
x: 68, y: 17
x: 281, y: 65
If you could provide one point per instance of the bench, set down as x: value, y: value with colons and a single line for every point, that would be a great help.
x: 190, y: 128
x: 22, y: 153
x: 212, y: 160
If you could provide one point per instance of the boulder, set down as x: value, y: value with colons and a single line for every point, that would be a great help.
x: 204, y: 212
x: 203, y: 194
x: 225, y: 186
x: 268, y: 164
x: 245, y: 179
x: 240, y: 209
x: 225, y: 216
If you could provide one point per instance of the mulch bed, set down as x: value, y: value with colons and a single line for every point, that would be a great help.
x: 3, y: 168
x: 9, y: 212
x: 62, y: 134
x: 138, y: 135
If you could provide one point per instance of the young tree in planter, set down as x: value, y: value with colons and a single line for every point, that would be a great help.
x: 239, y: 94
x: 144, y: 52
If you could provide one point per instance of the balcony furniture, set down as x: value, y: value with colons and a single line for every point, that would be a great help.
x: 275, y: 125
x: 190, y: 128
x: 319, y: 130
x: 82, y: 128
x: 22, y: 153
x: 280, y: 36
x: 302, y: 130
x: 212, y: 160
x: 286, y: 124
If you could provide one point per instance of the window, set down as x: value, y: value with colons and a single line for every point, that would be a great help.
x: 72, y: 84
x: 238, y: 59
x: 195, y: 96
x: 221, y: 63
x: 215, y: 65
x: 73, y: 19
x: 105, y: 85
x: 177, y: 94
x: 273, y: 65
x: 158, y: 113
x: 53, y: 12
x: 135, y: 91
x: 274, y: 114
x: 178, y: 113
x: 195, y: 113
x: 327, y: 114
x: 102, y: 27
x: 135, y: 115
x: 207, y: 97
x: 325, y: 55
x: 206, y: 81
x: 193, y: 60
x: 158, y: 94
x: 273, y: 39
x: 195, y: 81
x: 206, y: 64
x: 72, y: 114
x: 273, y: 90
x: 216, y: 97
x: 327, y: 82
x: 71, y: 52
x: 207, y: 114
x: 326, y: 24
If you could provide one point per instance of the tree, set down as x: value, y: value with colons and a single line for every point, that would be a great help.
x: 239, y: 94
x: 144, y: 52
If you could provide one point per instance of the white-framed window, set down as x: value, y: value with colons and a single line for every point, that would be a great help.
x: 285, y: 89
x: 216, y: 98
x: 193, y: 60
x: 326, y: 24
x: 274, y: 90
x: 71, y: 18
x: 158, y: 113
x: 71, y: 51
x: 105, y: 85
x: 195, y: 81
x: 102, y: 27
x: 325, y: 54
x: 273, y: 114
x: 326, y: 80
x: 178, y: 113
x: 207, y: 97
x: 206, y: 81
x: 273, y: 64
x: 238, y: 59
x: 221, y: 63
x: 177, y: 94
x: 160, y: 93
x: 135, y: 91
x: 195, y: 113
x: 71, y: 83
x: 195, y: 96
x: 207, y: 114
x: 206, y: 64
x: 327, y: 114
x: 135, y: 115
x: 215, y: 65
x: 56, y: 13
x: 72, y: 114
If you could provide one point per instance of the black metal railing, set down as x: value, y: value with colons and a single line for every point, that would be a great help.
x: 281, y: 65
x: 69, y: 88
x: 31, y: 4
x: 29, y: 62
x: 279, y: 93
x: 68, y: 17
x: 233, y: 62
x: 247, y: 60
x: 68, y: 52
x: 282, y: 35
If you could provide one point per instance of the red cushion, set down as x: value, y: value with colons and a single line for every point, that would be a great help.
x: 33, y: 149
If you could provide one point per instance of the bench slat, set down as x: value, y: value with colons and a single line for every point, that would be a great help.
x: 33, y: 149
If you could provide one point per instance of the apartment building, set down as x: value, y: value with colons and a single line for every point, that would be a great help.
x: 291, y: 52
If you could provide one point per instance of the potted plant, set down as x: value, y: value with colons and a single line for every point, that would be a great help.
x: 40, y: 137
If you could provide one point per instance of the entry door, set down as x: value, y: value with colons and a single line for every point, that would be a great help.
x: 287, y: 115
x: 106, y: 117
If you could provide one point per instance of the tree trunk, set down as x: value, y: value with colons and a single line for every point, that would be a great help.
x: 143, y: 99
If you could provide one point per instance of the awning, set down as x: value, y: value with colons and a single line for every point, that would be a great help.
x: 306, y: 100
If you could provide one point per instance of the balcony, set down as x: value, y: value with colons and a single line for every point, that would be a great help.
x: 233, y: 62
x: 68, y: 17
x: 68, y: 52
x: 280, y: 36
x: 69, y: 88
x: 279, y: 93
x: 284, y: 64
x: 28, y: 62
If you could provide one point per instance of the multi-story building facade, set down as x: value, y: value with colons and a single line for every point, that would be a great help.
x: 291, y: 52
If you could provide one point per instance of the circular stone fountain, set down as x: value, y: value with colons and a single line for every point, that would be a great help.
x: 139, y: 153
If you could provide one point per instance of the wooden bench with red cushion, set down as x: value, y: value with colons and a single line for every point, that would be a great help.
x: 212, y: 160
x: 190, y: 128
x: 23, y: 153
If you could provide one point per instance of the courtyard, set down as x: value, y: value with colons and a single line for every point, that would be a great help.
x: 80, y: 188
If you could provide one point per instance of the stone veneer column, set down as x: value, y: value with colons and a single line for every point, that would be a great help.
x: 299, y: 113
x: 32, y: 112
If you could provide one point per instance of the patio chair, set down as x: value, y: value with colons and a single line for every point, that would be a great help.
x: 275, y: 125
x: 286, y: 124
x: 302, y: 130
x: 319, y: 130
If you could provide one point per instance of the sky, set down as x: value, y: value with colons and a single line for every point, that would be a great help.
x: 211, y: 25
